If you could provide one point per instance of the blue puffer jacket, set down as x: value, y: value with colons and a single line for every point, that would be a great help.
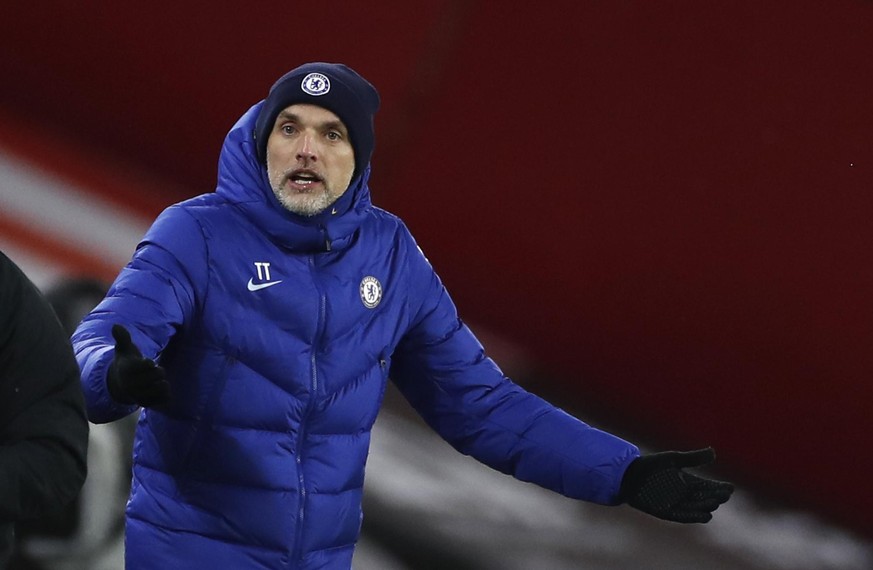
x: 278, y: 335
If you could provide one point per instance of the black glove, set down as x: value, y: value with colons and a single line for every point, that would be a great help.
x: 133, y: 379
x: 656, y: 484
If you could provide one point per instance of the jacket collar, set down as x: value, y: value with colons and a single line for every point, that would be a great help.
x: 243, y: 181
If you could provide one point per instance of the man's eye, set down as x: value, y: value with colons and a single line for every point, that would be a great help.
x: 287, y: 129
x: 334, y: 136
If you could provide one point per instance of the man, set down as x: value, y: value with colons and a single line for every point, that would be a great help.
x: 43, y: 428
x: 258, y: 326
x: 88, y: 532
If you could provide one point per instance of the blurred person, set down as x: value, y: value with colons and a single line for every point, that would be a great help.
x: 43, y: 427
x: 89, y: 531
x: 74, y: 297
x: 257, y: 326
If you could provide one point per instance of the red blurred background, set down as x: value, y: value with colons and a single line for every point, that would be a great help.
x: 666, y: 204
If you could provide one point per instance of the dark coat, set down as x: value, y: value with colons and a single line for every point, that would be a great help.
x: 43, y: 427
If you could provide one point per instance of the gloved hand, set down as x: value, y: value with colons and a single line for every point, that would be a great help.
x: 133, y: 379
x: 658, y: 485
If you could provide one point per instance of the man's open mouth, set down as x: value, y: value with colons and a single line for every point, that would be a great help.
x: 304, y: 177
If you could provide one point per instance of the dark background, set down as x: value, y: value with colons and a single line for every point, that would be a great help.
x: 666, y: 204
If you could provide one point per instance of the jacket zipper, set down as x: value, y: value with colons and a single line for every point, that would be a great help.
x: 301, y: 434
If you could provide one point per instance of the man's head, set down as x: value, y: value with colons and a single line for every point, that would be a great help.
x: 305, y: 162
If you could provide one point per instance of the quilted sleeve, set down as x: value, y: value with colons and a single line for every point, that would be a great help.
x: 154, y: 296
x: 442, y: 369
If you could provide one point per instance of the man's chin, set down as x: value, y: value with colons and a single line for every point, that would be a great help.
x: 304, y: 205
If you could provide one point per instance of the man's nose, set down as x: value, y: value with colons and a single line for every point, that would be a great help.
x: 307, y: 149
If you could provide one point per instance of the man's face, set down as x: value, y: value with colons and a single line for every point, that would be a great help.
x: 310, y: 159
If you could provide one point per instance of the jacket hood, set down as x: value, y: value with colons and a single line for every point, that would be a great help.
x: 243, y: 181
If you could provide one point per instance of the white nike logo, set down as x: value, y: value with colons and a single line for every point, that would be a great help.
x: 257, y: 287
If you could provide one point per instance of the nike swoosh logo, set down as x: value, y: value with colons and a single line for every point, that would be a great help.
x: 258, y: 286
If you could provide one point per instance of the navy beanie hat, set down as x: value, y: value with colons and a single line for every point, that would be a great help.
x: 332, y: 86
